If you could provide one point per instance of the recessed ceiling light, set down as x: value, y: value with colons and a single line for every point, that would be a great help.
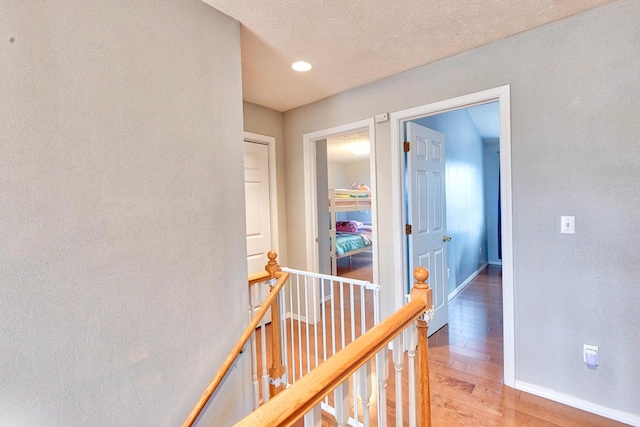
x: 301, y: 66
x: 361, y: 148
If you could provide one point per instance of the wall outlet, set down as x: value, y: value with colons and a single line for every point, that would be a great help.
x: 590, y: 355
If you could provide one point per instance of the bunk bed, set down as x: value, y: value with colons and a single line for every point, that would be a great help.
x: 350, y: 237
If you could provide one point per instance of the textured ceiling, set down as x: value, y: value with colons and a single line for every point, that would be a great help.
x: 349, y: 147
x: 351, y: 43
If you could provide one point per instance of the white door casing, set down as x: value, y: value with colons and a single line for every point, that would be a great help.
x: 310, y: 186
x: 258, y: 216
x: 501, y: 94
x: 427, y: 214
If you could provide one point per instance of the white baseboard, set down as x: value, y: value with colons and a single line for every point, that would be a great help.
x: 464, y: 284
x: 495, y: 263
x: 297, y: 317
x: 565, y: 399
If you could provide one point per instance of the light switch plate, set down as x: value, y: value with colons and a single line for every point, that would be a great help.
x: 568, y: 224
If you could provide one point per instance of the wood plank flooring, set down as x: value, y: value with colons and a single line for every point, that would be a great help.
x: 466, y: 365
x: 466, y: 362
x: 356, y: 266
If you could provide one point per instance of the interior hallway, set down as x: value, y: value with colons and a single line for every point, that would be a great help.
x: 466, y: 366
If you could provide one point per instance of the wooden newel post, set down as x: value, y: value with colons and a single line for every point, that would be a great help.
x: 422, y: 291
x: 277, y: 377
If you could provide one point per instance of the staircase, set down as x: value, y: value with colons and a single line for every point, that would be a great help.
x: 325, y: 352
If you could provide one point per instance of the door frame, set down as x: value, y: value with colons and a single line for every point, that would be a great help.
x: 310, y: 186
x: 273, y: 184
x: 398, y: 119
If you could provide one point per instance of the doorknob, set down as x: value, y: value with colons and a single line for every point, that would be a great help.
x: 446, y: 238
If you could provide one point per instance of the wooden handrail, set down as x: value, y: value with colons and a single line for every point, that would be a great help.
x: 259, y: 277
x: 272, y: 271
x: 290, y: 405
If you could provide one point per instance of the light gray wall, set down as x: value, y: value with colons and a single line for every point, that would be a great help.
x: 336, y: 177
x: 491, y: 185
x: 464, y: 173
x: 355, y: 172
x: 575, y: 130
x: 358, y: 172
x: 122, y: 217
x: 264, y: 121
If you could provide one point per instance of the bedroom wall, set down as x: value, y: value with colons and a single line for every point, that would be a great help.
x: 336, y: 176
x: 574, y: 128
x: 264, y: 121
x: 491, y: 185
x: 358, y: 172
x: 464, y: 181
x: 123, y: 215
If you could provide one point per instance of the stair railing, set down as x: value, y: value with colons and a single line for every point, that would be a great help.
x: 303, y: 397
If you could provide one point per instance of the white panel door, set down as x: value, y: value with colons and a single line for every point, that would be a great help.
x: 258, y: 214
x: 426, y: 210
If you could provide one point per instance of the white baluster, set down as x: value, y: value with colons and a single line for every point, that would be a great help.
x: 308, y: 316
x: 283, y: 329
x: 341, y: 402
x: 365, y: 390
x: 263, y: 356
x: 398, y: 356
x: 291, y: 310
x: 382, y: 372
x: 412, y: 343
x: 254, y: 372
x: 313, y: 418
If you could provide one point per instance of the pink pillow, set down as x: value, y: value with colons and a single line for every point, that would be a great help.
x: 348, y: 226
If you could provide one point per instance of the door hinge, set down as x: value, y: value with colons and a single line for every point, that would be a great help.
x: 407, y: 229
x: 407, y: 146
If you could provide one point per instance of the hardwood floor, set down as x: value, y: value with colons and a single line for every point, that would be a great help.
x: 466, y: 368
x: 356, y: 266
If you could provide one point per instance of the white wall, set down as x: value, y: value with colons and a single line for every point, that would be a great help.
x: 336, y: 176
x: 122, y: 217
x: 341, y: 175
x: 575, y: 130
x: 358, y: 172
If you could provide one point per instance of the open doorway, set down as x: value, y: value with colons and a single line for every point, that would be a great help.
x: 398, y: 124
x: 472, y: 190
x: 350, y: 215
x: 337, y: 159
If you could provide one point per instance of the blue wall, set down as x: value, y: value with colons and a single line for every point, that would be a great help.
x: 491, y: 183
x: 466, y: 216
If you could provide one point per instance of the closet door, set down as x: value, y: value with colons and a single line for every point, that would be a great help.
x: 258, y: 214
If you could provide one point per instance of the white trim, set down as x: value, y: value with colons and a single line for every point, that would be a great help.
x: 464, y: 284
x: 575, y: 402
x: 297, y: 317
x: 501, y: 94
x: 495, y: 263
x: 270, y: 142
x: 311, y: 197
